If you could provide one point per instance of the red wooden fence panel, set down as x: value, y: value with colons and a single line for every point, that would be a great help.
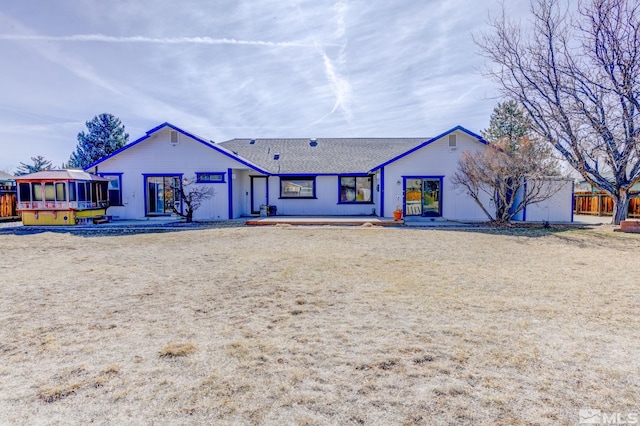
x: 8, y: 204
x: 600, y: 204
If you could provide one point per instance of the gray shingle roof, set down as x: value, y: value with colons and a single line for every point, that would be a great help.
x: 329, y: 155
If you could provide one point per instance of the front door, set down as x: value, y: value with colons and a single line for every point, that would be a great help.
x: 431, y: 197
x: 258, y: 193
x: 162, y: 194
x: 422, y: 196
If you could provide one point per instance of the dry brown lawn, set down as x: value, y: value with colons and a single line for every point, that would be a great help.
x: 295, y: 325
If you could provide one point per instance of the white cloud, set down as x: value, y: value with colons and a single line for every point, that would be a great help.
x: 297, y: 68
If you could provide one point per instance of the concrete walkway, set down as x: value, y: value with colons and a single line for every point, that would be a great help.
x: 323, y: 220
x: 176, y: 223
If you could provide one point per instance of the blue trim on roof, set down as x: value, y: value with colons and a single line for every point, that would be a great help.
x: 425, y: 143
x: 177, y: 129
x: 307, y: 174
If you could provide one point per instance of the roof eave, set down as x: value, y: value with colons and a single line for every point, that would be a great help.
x: 427, y: 142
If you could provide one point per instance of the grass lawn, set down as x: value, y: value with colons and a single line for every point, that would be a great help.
x: 299, y: 325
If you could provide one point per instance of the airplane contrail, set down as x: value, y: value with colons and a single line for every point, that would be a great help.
x: 156, y: 40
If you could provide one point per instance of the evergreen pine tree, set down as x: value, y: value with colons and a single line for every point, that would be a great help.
x: 508, y: 121
x: 105, y: 135
x: 39, y: 164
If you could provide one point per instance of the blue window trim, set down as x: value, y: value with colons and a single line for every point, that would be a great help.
x: 340, y: 176
x: 404, y: 192
x: 199, y: 174
x: 105, y: 174
x: 144, y: 186
x: 298, y: 177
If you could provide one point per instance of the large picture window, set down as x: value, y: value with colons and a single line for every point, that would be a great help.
x: 298, y: 187
x: 114, y: 188
x: 356, y: 189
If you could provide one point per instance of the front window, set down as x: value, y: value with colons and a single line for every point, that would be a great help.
x: 72, y: 191
x: 356, y: 189
x: 298, y: 187
x: 25, y: 192
x: 49, y: 192
x: 114, y: 188
x: 213, y: 177
x: 61, y: 193
x: 36, y: 191
x: 82, y: 192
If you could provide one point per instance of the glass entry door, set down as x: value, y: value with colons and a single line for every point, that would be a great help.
x: 162, y: 194
x: 422, y: 197
x: 431, y: 197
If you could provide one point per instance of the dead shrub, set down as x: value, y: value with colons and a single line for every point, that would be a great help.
x: 51, y: 394
x: 176, y: 350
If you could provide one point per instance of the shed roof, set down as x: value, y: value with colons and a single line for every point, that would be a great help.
x: 325, y: 156
x: 61, y: 174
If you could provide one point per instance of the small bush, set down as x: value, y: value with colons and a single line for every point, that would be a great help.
x: 175, y: 350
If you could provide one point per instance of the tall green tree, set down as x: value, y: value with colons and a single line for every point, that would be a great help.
x: 577, y: 73
x: 508, y: 121
x: 39, y: 164
x: 105, y: 135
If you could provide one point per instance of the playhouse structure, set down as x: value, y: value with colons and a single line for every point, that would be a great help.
x: 62, y: 197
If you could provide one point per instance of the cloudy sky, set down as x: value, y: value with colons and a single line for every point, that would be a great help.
x: 237, y: 68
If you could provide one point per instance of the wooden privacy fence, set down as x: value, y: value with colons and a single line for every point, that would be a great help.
x: 600, y: 204
x: 8, y: 204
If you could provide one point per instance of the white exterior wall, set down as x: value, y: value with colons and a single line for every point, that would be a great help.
x: 241, y: 187
x: 157, y: 155
x: 325, y: 203
x: 558, y: 208
x: 435, y: 159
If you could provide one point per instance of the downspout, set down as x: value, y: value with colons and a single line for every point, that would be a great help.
x: 230, y: 193
x: 382, y: 192
x: 573, y: 198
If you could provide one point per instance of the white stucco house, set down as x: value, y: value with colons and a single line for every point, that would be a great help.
x: 324, y: 176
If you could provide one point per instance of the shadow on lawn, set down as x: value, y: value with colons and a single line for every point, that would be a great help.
x: 115, y: 230
x: 533, y: 230
x: 523, y: 230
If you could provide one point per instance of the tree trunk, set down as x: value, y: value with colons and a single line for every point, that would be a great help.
x: 189, y: 215
x: 620, y: 206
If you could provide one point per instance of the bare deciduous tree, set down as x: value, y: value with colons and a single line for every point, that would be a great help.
x: 578, y: 77
x: 192, y: 194
x: 510, y: 176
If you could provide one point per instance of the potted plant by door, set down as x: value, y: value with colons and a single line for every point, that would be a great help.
x: 397, y: 213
